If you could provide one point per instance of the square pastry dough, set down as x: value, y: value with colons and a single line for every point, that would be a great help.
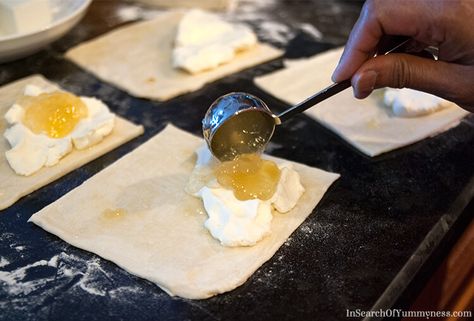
x: 366, y: 124
x: 160, y: 235
x: 13, y: 186
x: 137, y: 59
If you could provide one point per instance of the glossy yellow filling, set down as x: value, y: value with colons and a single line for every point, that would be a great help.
x: 55, y: 114
x: 113, y: 213
x: 249, y: 177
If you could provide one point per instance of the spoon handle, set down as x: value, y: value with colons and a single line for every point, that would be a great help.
x: 313, y: 100
x: 388, y: 44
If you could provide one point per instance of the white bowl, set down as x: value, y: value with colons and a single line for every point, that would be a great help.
x: 66, y: 14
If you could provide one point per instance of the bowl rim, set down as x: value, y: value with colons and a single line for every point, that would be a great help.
x: 85, y: 4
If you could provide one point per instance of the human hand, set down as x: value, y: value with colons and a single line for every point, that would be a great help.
x: 444, y: 24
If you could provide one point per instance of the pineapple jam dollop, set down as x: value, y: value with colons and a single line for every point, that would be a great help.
x: 55, y: 114
x: 240, y: 196
x: 46, y: 125
x: 249, y: 177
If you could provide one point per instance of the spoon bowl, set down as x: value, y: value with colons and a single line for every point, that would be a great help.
x: 237, y: 123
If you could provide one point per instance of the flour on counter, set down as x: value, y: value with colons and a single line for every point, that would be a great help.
x: 128, y: 12
x: 306, y: 229
x: 27, y: 290
x: 3, y: 262
x: 88, y: 281
x: 311, y: 30
x: 124, y: 290
x: 276, y: 30
x: 260, y: 14
x: 15, y: 279
x: 62, y: 266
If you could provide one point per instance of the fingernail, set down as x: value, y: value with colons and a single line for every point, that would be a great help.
x: 336, y: 71
x: 365, y: 84
x: 333, y: 77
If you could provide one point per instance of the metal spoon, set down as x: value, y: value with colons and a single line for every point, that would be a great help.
x: 240, y: 123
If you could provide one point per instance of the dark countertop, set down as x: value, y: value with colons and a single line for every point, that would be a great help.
x: 371, y: 242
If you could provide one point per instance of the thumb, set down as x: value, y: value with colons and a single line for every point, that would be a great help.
x: 450, y: 81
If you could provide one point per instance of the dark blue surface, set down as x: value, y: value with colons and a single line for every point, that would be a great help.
x: 342, y: 257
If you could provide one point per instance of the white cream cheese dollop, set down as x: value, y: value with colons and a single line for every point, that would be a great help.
x: 407, y: 102
x: 234, y: 222
x: 30, y: 152
x: 205, y: 41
